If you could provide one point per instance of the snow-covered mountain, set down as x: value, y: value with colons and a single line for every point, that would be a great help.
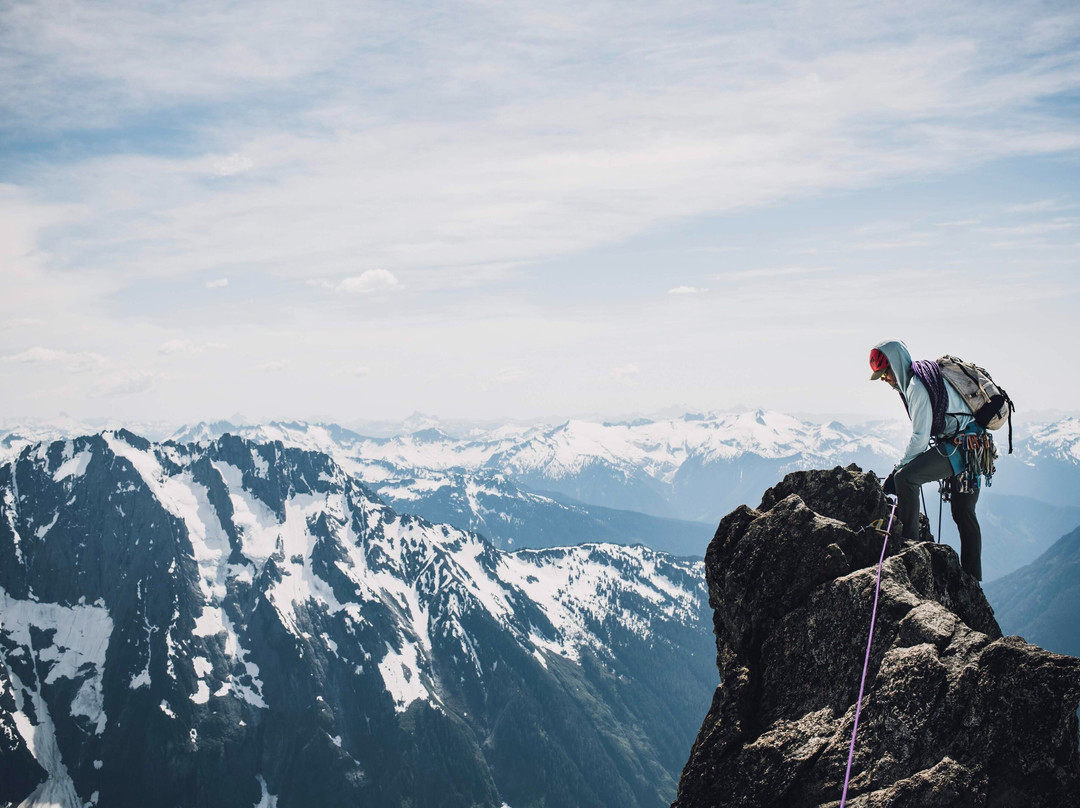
x: 1058, y: 441
x: 1046, y: 464
x: 672, y: 468
x: 662, y: 482
x: 232, y: 623
x: 696, y: 467
x: 511, y: 516
x: 18, y: 433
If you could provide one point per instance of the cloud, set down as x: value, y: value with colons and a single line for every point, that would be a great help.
x: 685, y: 290
x: 1061, y: 223
x: 232, y: 164
x: 153, y: 149
x: 624, y: 372
x: 479, y: 175
x: 959, y: 223
x: 911, y: 240
x: 122, y: 383
x: 272, y: 366
x: 508, y: 376
x: 22, y: 322
x: 175, y: 346
x: 1042, y: 206
x: 769, y: 273
x: 373, y: 280
x: 76, y: 362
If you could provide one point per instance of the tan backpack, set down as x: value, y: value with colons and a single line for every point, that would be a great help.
x: 989, y: 403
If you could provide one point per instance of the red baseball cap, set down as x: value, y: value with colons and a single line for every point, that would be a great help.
x: 879, y: 363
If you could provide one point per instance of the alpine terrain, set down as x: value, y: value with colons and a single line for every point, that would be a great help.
x: 953, y: 713
x: 231, y: 623
x: 664, y: 483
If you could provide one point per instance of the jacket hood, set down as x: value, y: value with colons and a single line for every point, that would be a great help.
x: 899, y: 360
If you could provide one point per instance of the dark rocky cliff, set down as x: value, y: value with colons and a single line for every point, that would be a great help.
x: 954, y: 713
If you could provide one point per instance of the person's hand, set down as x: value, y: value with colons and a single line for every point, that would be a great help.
x: 889, y: 484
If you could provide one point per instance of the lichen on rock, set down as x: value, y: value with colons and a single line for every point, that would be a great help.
x: 954, y: 714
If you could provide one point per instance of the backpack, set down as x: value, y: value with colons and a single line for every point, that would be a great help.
x: 989, y: 403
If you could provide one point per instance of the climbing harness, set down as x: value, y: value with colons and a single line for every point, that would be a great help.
x: 977, y: 455
x: 869, y: 642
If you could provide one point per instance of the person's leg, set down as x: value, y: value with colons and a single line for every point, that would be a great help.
x: 909, y: 479
x: 963, y: 513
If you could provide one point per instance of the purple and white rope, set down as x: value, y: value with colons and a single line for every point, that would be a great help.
x: 866, y: 662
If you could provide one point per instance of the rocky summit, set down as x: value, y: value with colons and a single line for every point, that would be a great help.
x: 954, y: 714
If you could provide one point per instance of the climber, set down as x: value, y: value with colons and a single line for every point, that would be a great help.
x: 939, y: 417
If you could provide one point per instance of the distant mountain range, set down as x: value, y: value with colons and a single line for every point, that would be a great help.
x: 1041, y: 601
x: 664, y: 483
x: 294, y: 614
x: 232, y: 623
x: 693, y: 468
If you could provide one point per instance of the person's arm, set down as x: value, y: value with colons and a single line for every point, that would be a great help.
x: 922, y: 421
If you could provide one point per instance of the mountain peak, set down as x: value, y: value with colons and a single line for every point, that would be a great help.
x: 952, y: 708
x: 268, y: 621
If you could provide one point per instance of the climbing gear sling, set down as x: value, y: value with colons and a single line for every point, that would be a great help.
x: 977, y: 454
x: 869, y: 642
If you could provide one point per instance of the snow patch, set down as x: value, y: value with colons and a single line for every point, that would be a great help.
x: 401, y: 675
x: 201, y: 694
x: 262, y: 467
x: 267, y: 800
x: 41, y: 531
x: 79, y: 638
x: 73, y: 467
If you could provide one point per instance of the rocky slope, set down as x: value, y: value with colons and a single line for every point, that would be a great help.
x: 236, y: 624
x: 955, y: 714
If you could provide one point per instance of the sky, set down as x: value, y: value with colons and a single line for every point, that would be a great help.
x: 351, y: 211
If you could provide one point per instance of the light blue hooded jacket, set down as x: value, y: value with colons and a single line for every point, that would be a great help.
x: 918, y: 402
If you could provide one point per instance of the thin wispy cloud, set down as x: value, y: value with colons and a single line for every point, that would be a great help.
x: 373, y: 280
x: 184, y: 346
x: 323, y: 155
x: 22, y: 322
x: 506, y: 376
x: 122, y: 383
x: 1040, y: 206
x: 232, y: 165
x: 769, y: 273
x: 624, y: 373
x: 74, y: 361
x: 738, y: 119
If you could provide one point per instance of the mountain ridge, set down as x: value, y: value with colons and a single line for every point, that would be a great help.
x: 231, y: 622
x: 954, y: 713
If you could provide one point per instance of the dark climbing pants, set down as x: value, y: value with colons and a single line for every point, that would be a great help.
x: 929, y: 466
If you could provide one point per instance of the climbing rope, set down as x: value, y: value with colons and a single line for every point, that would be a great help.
x: 869, y: 642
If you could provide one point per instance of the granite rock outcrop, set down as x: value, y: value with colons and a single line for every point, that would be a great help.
x: 954, y: 713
